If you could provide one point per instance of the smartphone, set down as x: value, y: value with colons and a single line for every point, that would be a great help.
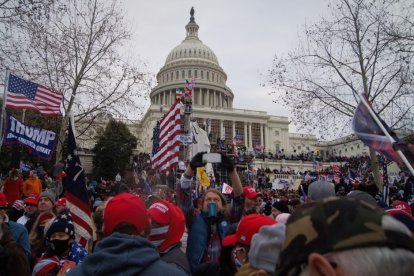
x: 212, y: 158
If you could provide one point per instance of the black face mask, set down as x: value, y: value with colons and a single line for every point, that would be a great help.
x: 59, y: 247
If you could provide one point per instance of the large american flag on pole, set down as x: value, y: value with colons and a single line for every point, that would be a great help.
x: 77, y: 199
x: 23, y: 94
x: 166, y: 158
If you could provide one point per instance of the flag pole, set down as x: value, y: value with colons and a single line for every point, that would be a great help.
x: 3, y: 108
x: 390, y: 138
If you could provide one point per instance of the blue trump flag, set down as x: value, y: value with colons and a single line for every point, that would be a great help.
x: 35, y: 140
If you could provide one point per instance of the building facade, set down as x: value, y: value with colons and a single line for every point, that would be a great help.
x: 212, y: 99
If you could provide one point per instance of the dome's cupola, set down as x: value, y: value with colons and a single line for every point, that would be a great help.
x: 192, y: 27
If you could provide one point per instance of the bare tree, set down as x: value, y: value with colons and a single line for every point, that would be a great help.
x: 75, y: 46
x: 347, y: 53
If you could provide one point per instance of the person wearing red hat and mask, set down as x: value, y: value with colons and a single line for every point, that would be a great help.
x: 241, y: 240
x: 125, y: 250
x: 208, y: 227
x: 167, y: 229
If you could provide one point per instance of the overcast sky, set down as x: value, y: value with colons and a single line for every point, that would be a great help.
x: 244, y: 34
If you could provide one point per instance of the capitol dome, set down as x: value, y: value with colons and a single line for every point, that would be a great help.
x: 191, y: 59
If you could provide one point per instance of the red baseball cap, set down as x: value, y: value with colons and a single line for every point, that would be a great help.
x: 247, y: 227
x: 250, y: 193
x: 403, y: 217
x: 402, y: 205
x: 125, y: 208
x: 61, y: 202
x: 166, y: 214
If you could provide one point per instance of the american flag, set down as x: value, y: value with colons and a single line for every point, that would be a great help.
x: 169, y: 140
x: 226, y: 93
x: 23, y: 94
x: 77, y: 199
x: 189, y: 86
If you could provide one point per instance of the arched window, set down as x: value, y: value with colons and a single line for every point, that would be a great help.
x: 202, y: 74
x: 189, y: 73
x: 208, y: 75
x: 195, y: 73
x: 177, y: 75
x: 172, y: 75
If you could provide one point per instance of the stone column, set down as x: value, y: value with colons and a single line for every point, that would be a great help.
x: 222, y: 135
x: 233, y: 125
x: 214, y: 98
x: 250, y: 135
x: 245, y: 135
x: 208, y: 97
x: 261, y: 135
x: 266, y: 135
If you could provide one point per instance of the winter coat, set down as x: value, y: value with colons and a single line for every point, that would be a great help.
x: 13, y: 189
x: 122, y: 254
x: 13, y: 260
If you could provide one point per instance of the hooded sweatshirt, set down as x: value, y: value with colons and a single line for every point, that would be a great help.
x: 121, y: 254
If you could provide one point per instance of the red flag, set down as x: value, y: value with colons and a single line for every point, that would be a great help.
x: 23, y: 94
x: 169, y: 145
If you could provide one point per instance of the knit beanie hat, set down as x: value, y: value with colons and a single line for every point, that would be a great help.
x: 125, y: 208
x: 266, y: 246
x: 49, y: 195
x: 170, y: 225
x: 319, y: 190
x: 62, y: 223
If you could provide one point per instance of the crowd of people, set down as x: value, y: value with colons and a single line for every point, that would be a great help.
x: 321, y: 228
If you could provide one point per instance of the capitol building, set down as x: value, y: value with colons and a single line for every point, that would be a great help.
x: 212, y: 108
x: 213, y: 101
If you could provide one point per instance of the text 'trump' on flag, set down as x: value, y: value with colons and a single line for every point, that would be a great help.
x: 169, y: 140
x: 23, y: 94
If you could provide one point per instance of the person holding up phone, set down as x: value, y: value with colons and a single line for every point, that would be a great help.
x: 208, y: 228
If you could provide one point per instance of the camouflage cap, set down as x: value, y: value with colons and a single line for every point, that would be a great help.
x: 336, y: 224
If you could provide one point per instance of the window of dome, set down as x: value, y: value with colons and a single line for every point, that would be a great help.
x: 204, y: 53
x: 177, y: 75
x: 171, y: 76
x: 189, y: 52
x: 181, y: 52
x: 208, y: 54
x: 202, y: 74
x: 183, y: 74
x: 185, y: 52
x: 195, y: 73
x: 167, y: 76
x: 208, y: 75
x: 189, y: 73
x: 199, y: 52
